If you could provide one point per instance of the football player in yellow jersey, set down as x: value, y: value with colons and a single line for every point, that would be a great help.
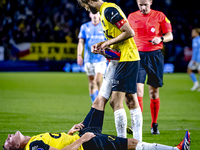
x: 119, y: 36
x: 89, y: 138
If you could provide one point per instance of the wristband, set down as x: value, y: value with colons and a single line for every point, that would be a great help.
x: 162, y: 38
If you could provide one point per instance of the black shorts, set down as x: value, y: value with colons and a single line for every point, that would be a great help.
x: 125, y: 78
x: 151, y: 64
x: 105, y: 142
x: 93, y: 123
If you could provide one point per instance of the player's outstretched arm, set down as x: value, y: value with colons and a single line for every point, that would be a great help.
x: 80, y: 48
x: 75, y: 145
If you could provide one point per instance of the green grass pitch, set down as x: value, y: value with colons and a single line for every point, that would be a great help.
x: 34, y: 103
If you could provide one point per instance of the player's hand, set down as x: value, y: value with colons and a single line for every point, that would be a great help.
x: 76, y: 128
x: 96, y: 48
x: 87, y: 136
x: 79, y: 60
x: 156, y: 40
x: 105, y: 45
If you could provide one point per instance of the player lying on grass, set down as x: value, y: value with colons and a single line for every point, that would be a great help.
x: 89, y: 138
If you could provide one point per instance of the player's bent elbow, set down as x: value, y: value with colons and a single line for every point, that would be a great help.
x: 132, y: 33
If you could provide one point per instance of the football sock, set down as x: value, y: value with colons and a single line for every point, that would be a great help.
x: 120, y: 122
x: 193, y: 77
x: 154, y: 146
x: 154, y: 106
x: 136, y: 122
x: 140, y: 100
x: 94, y: 95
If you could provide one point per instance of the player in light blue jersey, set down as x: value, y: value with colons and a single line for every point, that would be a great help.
x: 95, y: 64
x: 194, y: 63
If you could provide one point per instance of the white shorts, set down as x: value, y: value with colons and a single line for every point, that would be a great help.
x: 192, y: 66
x: 106, y: 86
x: 92, y: 68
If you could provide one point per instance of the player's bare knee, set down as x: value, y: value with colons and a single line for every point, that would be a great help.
x: 189, y: 71
x: 91, y: 85
x: 112, y: 104
x: 99, y: 103
x: 130, y: 104
x: 115, y: 104
x: 153, y: 92
x: 140, y: 92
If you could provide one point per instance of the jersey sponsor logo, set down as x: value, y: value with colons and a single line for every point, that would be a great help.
x: 137, y: 21
x: 113, y: 16
x: 167, y: 20
x: 111, y: 138
x: 95, y: 36
x: 114, y: 86
x: 100, y: 31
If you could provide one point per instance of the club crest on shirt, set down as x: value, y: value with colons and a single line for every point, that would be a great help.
x: 111, y: 138
x: 36, y: 148
x: 153, y: 29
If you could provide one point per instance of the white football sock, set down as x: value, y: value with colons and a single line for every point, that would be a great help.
x: 154, y: 146
x: 120, y: 122
x: 136, y: 122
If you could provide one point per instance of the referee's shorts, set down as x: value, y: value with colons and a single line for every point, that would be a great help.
x: 152, y: 65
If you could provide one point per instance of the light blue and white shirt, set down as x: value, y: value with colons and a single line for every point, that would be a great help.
x: 196, y: 49
x: 91, y: 34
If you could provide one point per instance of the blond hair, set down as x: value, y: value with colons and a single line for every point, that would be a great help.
x: 197, y: 30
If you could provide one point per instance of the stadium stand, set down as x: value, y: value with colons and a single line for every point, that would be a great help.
x: 59, y: 21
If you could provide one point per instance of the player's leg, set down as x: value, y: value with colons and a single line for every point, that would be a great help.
x: 191, y: 67
x: 129, y: 85
x: 199, y: 77
x: 116, y: 103
x: 154, y: 107
x: 106, y: 87
x: 90, y: 71
x: 155, y: 80
x: 140, y: 94
x: 95, y: 116
x: 141, y: 78
x: 92, y: 87
x: 125, y: 82
x: 184, y: 145
x: 136, y: 115
x: 100, y: 69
